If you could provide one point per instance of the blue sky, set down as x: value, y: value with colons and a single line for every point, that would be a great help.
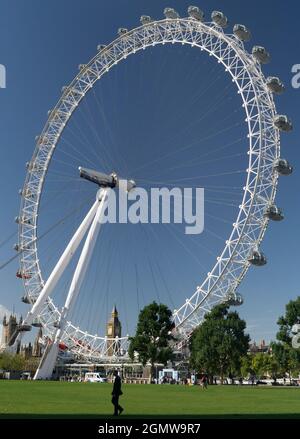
x: 162, y: 99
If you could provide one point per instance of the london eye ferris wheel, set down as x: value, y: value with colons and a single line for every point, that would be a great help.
x: 231, y: 147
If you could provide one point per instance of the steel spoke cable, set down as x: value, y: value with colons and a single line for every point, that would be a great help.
x: 149, y: 263
x: 54, y: 249
x: 83, y: 139
x: 106, y: 124
x: 81, y: 157
x: 186, y: 147
x: 221, y: 148
x: 58, y: 194
x: 123, y: 293
x: 161, y: 274
x: 221, y: 99
x: 201, y: 92
x: 175, y: 235
x: 168, y: 256
x: 218, y: 218
x: 240, y: 171
x: 93, y: 127
x: 135, y: 251
x: 6, y: 240
x: 92, y: 303
x: 63, y: 162
x: 137, y: 289
x: 107, y: 276
x: 64, y: 226
x: 100, y: 157
x: 63, y: 179
x: 78, y: 140
x: 74, y: 129
x: 3, y: 265
x: 219, y: 237
x: 207, y: 187
x: 186, y: 127
x: 211, y: 150
x: 197, y: 97
x: 116, y: 152
x: 195, y: 162
x: 61, y: 174
x: 154, y: 280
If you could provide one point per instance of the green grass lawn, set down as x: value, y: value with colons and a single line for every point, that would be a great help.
x: 37, y: 399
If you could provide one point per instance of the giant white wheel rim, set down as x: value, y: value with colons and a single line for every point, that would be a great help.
x: 259, y: 191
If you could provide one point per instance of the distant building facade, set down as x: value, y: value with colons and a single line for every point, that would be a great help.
x: 255, y: 348
x: 10, y: 325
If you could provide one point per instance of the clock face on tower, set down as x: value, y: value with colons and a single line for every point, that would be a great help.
x: 109, y: 330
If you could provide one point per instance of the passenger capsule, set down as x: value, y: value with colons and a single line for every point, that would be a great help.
x: 274, y: 213
x: 257, y: 258
x: 145, y: 19
x: 282, y: 122
x: 22, y: 220
x: 241, y: 32
x: 81, y: 66
x: 42, y: 139
x: 196, y: 13
x: 26, y: 193
x: 36, y: 323
x: 282, y: 166
x: 261, y: 55
x: 25, y: 299
x: 23, y: 328
x: 122, y: 31
x: 275, y: 85
x: 101, y: 47
x: 171, y: 14
x: 234, y: 299
x: 219, y: 18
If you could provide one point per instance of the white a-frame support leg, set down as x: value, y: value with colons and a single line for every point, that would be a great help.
x: 47, y: 364
x: 59, y: 269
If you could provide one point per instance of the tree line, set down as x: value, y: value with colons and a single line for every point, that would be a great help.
x: 220, y: 345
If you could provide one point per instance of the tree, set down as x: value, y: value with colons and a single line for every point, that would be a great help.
x: 246, y: 366
x: 18, y: 363
x: 219, y: 343
x: 272, y: 366
x: 259, y: 364
x: 153, y: 334
x: 5, y: 361
x: 11, y: 362
x: 287, y: 357
x: 286, y: 322
x: 282, y: 354
x: 31, y: 364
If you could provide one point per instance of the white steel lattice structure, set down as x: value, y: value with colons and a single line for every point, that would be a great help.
x: 259, y: 190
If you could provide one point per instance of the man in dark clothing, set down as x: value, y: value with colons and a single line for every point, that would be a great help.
x: 116, y: 392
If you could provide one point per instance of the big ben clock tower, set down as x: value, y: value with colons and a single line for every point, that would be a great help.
x: 113, y: 330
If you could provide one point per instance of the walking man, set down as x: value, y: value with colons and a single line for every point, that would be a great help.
x: 116, y: 393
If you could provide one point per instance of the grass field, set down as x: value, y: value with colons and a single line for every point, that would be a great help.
x: 37, y: 399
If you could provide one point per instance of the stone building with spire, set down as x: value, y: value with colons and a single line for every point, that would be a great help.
x: 113, y: 330
x: 9, y: 327
x: 8, y: 330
